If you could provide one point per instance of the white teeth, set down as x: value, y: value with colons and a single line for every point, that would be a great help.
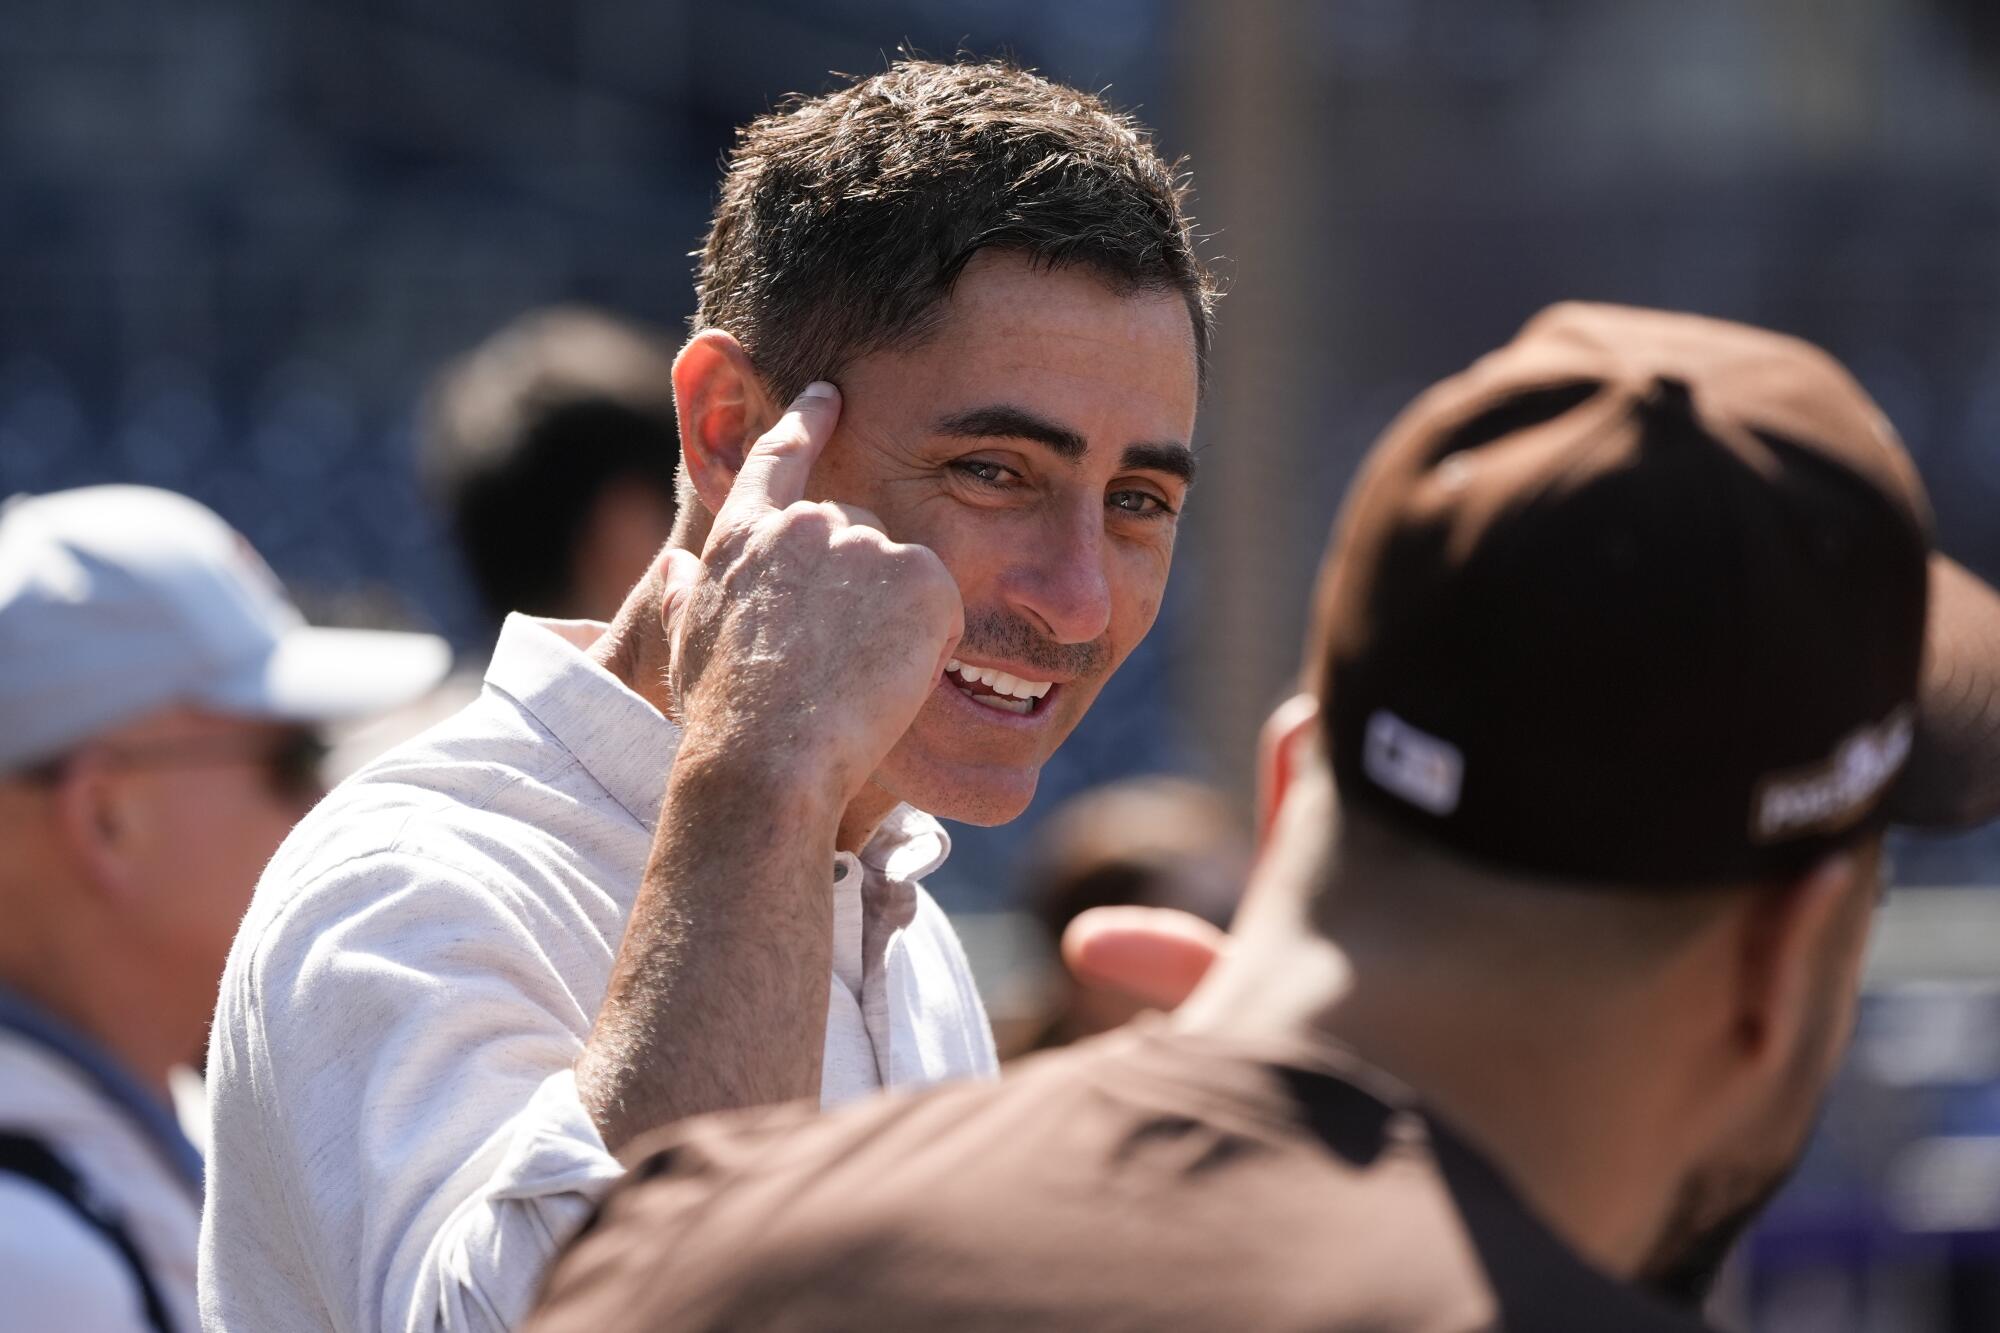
x: 1005, y: 705
x: 1017, y: 689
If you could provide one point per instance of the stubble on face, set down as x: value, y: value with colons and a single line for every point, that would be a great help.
x: 1719, y: 1200
x: 992, y: 632
x: 1060, y: 581
x: 1710, y: 1214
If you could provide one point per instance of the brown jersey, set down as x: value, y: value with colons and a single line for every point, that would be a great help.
x: 1146, y: 1181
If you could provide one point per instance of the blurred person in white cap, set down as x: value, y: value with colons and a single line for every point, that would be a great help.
x: 159, y: 699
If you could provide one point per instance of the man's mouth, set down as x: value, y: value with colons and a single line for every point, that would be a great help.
x: 997, y: 689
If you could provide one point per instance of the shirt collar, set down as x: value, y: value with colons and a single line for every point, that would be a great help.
x: 907, y: 845
x: 118, y: 1085
x: 624, y: 742
x: 628, y: 745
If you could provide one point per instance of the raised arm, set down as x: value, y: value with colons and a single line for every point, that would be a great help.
x: 804, y: 643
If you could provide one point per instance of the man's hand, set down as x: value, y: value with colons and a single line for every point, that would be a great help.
x: 804, y: 643
x: 811, y: 639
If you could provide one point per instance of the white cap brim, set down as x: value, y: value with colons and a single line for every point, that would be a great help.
x: 332, y: 675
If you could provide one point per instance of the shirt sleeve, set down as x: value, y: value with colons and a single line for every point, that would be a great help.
x: 398, y: 1136
x: 57, y: 1272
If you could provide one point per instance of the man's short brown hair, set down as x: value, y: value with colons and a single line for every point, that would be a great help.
x: 846, y: 218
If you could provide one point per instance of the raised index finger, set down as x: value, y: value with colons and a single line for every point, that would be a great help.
x: 774, y: 472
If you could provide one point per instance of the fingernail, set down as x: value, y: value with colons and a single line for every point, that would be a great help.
x: 818, y: 389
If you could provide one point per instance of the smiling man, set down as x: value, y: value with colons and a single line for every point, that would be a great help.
x: 674, y: 864
x: 1036, y: 442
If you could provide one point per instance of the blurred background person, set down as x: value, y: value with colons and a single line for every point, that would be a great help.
x: 552, y: 447
x: 159, y: 707
x: 1153, y: 841
x: 549, y: 451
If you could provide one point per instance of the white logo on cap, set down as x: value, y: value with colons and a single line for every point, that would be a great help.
x: 1835, y: 792
x: 1412, y: 764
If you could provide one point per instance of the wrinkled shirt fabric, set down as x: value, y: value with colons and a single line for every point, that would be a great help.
x: 396, y: 1137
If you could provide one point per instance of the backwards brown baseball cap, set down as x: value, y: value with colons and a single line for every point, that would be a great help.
x: 1649, y: 598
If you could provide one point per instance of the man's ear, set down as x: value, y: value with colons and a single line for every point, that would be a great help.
x: 1800, y: 950
x: 1283, y: 745
x: 722, y: 408
x: 100, y: 816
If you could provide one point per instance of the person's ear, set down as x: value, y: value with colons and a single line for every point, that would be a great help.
x: 1799, y: 952
x: 102, y: 818
x: 1284, y: 745
x: 722, y: 408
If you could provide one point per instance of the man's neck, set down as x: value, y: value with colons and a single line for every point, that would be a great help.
x: 635, y: 649
x: 116, y: 1003
x: 1543, y: 1086
x: 864, y: 814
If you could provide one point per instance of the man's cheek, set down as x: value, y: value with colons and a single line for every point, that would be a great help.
x: 1137, y: 619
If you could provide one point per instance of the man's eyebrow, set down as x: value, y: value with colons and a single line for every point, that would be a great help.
x: 1005, y: 422
x: 1001, y: 422
x: 1176, y: 460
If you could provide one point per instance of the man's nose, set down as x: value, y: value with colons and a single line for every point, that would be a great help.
x: 1061, y: 584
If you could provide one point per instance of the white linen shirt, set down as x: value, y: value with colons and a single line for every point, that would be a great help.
x: 396, y: 1137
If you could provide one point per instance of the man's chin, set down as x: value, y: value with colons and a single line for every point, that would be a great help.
x: 979, y: 796
x: 982, y: 815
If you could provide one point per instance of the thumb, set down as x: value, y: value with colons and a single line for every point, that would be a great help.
x: 1153, y: 954
x: 680, y: 570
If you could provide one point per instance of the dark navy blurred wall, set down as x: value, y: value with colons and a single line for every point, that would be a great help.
x: 1423, y: 175
x: 237, y: 238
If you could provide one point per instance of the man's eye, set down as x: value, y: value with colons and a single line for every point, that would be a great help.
x: 980, y: 470
x: 1143, y: 503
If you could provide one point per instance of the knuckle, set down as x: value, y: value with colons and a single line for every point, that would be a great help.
x: 859, y: 537
x: 924, y: 564
x: 804, y: 518
x: 874, y: 538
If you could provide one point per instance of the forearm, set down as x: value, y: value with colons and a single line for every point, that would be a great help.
x: 718, y: 998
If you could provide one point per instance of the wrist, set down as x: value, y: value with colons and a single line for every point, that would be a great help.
x: 766, y: 783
